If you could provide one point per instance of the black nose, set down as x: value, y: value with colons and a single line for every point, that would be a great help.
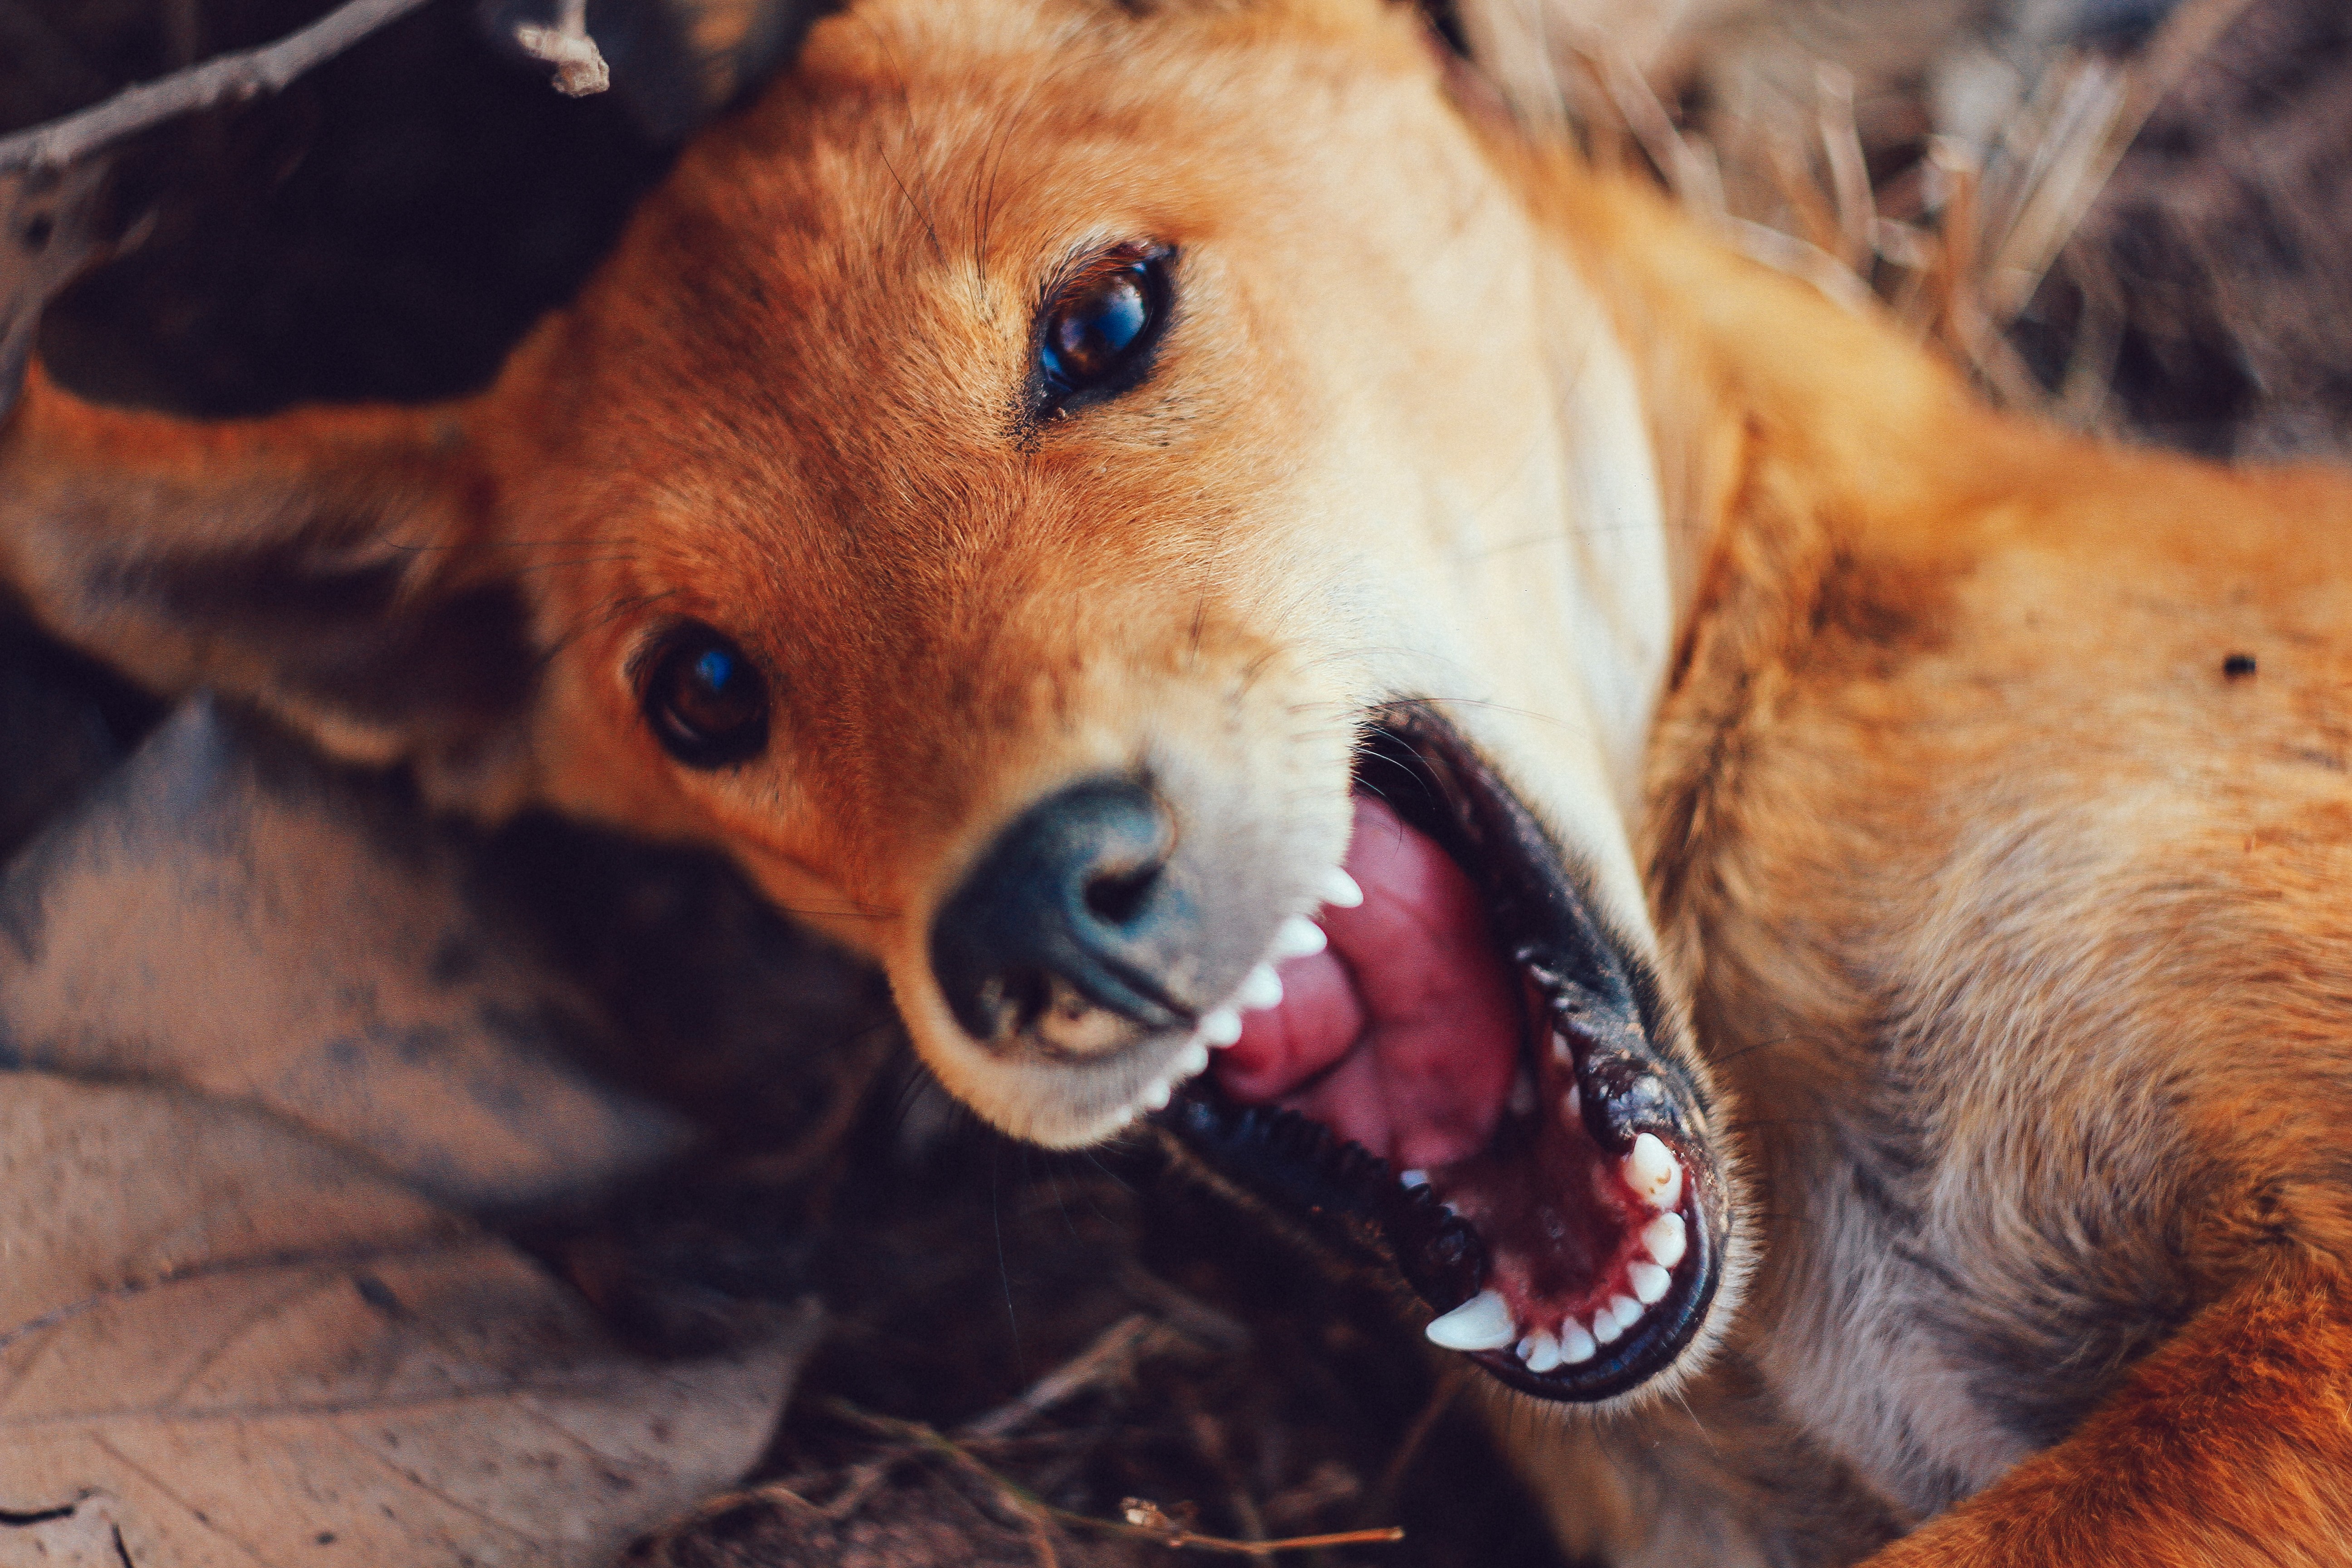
x: 1069, y: 911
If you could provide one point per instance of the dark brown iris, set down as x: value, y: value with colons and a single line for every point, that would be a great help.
x: 1098, y: 331
x: 707, y: 702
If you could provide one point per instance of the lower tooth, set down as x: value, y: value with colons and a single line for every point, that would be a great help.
x: 1627, y: 1310
x: 1575, y: 1344
x: 1649, y: 1281
x: 1480, y: 1323
x: 1666, y: 1239
x: 1604, y: 1327
x: 1523, y: 1096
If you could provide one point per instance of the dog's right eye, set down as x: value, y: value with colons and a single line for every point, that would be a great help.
x: 707, y: 702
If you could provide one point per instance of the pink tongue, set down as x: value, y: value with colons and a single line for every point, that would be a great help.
x: 1404, y: 1034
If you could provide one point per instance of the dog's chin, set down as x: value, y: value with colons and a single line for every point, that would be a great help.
x: 1470, y: 1082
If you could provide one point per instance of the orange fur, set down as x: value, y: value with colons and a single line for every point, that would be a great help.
x: 1899, y: 738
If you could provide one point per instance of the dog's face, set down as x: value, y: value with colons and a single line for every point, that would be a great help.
x: 1046, y: 490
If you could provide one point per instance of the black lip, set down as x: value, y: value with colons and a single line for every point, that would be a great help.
x: 1347, y: 1204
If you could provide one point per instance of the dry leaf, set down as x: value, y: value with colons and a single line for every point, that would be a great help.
x: 234, y: 1345
x: 225, y: 911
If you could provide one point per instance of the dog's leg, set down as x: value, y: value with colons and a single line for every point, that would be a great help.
x: 2231, y: 1445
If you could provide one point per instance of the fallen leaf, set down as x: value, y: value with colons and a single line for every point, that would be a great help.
x: 234, y: 1344
x: 227, y: 912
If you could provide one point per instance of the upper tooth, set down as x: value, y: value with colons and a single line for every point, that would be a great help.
x: 1156, y: 1096
x: 1664, y: 1239
x: 1221, y: 1025
x: 1414, y: 1178
x: 1480, y: 1323
x: 1261, y: 989
x: 1191, y: 1059
x: 1653, y: 1172
x: 1298, y: 937
x: 1575, y: 1344
x: 1338, y: 888
x: 1559, y: 1049
x: 1649, y: 1281
x: 1627, y: 1310
x: 1606, y: 1328
x: 1543, y: 1353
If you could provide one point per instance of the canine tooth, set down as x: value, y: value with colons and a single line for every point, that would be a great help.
x: 1413, y: 1179
x: 1480, y: 1323
x: 1649, y: 1281
x: 1605, y: 1331
x: 1221, y: 1025
x: 1664, y: 1239
x: 1561, y: 1052
x: 1191, y: 1059
x: 1572, y: 1102
x: 1298, y: 937
x: 1523, y: 1095
x: 1261, y: 989
x: 1156, y: 1096
x: 1652, y: 1170
x: 1627, y: 1311
x: 1340, y: 888
x: 1575, y: 1344
x: 1544, y: 1352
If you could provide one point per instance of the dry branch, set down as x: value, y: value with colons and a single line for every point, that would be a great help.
x: 225, y: 78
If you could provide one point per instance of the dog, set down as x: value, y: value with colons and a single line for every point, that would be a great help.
x: 1795, y: 908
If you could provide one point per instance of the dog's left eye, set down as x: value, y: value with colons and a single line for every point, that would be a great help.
x: 1100, y: 329
x: 706, y: 703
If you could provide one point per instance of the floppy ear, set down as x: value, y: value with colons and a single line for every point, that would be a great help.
x: 336, y: 565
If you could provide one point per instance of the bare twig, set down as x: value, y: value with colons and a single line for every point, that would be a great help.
x: 1154, y: 1526
x: 580, y: 68
x: 1114, y: 1355
x: 225, y: 78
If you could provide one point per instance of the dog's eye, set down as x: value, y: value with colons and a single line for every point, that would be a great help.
x: 708, y: 704
x: 1100, y: 329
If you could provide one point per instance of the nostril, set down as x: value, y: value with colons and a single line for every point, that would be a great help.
x: 1117, y: 897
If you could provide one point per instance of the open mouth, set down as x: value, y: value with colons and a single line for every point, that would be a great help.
x: 1465, y: 1081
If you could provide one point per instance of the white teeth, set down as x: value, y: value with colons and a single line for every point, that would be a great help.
x: 1653, y: 1172
x: 1543, y: 1354
x: 1572, y: 1102
x: 1665, y: 1239
x: 1480, y: 1323
x: 1627, y: 1311
x: 1649, y: 1281
x: 1298, y: 937
x: 1560, y: 1051
x: 1156, y: 1096
x: 1575, y: 1344
x: 1412, y: 1179
x: 1221, y: 1025
x: 1340, y: 888
x: 1604, y: 1328
x: 1192, y: 1058
x: 1263, y: 989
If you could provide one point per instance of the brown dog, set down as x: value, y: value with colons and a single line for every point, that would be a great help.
x: 1056, y: 480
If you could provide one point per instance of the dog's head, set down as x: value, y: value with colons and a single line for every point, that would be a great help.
x: 1116, y: 511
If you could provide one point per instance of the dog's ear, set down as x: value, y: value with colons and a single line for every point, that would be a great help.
x: 338, y: 566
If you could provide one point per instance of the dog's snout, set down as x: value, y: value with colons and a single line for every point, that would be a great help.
x: 1066, y: 924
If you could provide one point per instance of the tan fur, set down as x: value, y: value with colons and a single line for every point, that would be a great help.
x: 1896, y: 732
